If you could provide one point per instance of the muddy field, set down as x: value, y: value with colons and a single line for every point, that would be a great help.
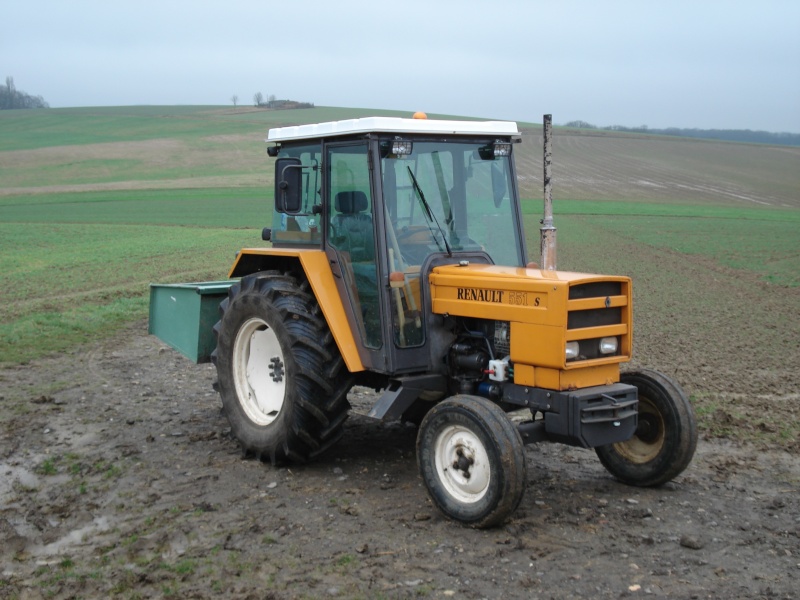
x: 125, y: 481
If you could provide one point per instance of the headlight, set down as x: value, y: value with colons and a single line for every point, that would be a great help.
x: 608, y: 345
x: 573, y: 350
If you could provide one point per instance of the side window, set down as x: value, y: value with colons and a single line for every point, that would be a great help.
x: 303, y: 228
x: 350, y: 231
x: 350, y: 209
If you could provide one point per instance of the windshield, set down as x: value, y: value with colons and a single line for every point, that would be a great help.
x: 444, y: 197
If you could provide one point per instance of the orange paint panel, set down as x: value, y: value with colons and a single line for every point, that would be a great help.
x: 316, y: 267
x: 524, y: 375
x: 539, y: 345
x: 547, y: 378
x: 496, y: 293
x: 589, y: 376
x: 575, y: 379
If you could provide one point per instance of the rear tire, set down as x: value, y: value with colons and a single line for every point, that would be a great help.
x: 665, y: 439
x: 282, y: 380
x: 472, y: 461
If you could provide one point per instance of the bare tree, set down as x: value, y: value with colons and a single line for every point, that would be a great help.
x: 235, y: 100
x: 258, y: 99
x: 11, y: 97
x: 8, y: 94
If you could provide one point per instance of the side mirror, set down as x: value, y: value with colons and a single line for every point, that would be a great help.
x: 288, y: 185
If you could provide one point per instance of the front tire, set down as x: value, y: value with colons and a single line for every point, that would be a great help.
x: 665, y: 438
x: 282, y: 380
x: 472, y: 461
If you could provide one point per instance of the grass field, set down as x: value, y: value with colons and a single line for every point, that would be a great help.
x: 96, y: 203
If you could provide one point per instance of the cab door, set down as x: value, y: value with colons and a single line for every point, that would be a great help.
x: 352, y: 246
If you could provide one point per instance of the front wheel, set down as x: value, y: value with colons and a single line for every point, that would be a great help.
x: 665, y: 439
x: 472, y: 461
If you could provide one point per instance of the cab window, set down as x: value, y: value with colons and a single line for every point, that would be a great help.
x: 301, y: 229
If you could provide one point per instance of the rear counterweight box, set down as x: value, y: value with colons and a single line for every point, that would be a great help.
x: 182, y: 315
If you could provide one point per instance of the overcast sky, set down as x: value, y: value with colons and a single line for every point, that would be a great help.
x: 697, y: 63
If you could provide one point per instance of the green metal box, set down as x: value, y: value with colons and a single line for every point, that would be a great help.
x: 182, y: 315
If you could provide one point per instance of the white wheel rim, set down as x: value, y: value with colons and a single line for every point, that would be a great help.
x: 259, y: 371
x: 462, y: 464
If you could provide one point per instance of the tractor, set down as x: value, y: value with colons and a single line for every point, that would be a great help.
x: 398, y: 261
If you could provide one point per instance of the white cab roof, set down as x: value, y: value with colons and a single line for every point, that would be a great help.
x: 392, y: 125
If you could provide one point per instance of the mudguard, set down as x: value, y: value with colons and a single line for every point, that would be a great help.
x: 316, y: 267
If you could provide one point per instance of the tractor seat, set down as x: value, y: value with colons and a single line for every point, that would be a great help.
x: 352, y: 226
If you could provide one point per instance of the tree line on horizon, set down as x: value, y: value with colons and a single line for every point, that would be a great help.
x: 728, y: 135
x: 272, y: 102
x: 11, y: 97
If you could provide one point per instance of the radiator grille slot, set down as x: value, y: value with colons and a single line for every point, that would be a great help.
x: 596, y: 289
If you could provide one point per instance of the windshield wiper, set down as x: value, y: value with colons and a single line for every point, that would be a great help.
x: 428, y: 211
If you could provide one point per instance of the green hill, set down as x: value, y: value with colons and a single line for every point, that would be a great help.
x: 95, y: 203
x: 149, y: 147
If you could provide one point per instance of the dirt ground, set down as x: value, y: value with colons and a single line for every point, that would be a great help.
x: 118, y: 477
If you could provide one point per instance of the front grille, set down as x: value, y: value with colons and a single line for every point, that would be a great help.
x: 597, y: 310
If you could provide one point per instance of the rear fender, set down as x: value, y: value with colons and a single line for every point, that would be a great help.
x: 314, y: 264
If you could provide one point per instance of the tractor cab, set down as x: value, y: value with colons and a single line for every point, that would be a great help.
x: 387, y: 199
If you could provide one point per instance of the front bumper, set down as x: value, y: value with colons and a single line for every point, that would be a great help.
x: 589, y: 417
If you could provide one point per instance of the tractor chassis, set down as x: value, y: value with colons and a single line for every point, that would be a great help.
x: 588, y: 417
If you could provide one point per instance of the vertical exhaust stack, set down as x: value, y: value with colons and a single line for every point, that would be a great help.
x: 548, y: 232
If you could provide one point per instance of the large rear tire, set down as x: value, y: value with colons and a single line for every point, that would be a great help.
x: 472, y: 461
x: 665, y: 438
x: 282, y: 380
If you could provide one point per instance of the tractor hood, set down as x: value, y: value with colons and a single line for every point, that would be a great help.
x: 521, y: 294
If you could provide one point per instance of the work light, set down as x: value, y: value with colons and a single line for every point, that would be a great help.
x: 502, y: 149
x: 401, y: 147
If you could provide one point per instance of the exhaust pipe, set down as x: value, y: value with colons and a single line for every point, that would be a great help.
x: 548, y: 232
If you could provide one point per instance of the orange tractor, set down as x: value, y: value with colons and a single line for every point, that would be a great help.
x: 398, y: 261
